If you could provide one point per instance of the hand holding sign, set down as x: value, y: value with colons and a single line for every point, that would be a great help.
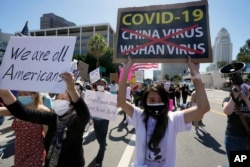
x: 35, y: 63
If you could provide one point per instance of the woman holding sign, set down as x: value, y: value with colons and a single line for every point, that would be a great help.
x: 156, y: 127
x: 63, y: 141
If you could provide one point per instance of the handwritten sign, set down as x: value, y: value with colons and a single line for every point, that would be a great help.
x: 95, y: 75
x: 35, y: 63
x: 164, y: 33
x: 102, y: 105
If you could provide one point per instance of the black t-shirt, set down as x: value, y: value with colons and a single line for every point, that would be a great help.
x: 234, y: 125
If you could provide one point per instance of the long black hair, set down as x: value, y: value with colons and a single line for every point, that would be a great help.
x: 162, y: 120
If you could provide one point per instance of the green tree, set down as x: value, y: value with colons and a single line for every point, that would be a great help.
x: 106, y: 61
x: 97, y: 46
x: 166, y: 76
x: 176, y: 78
x: 244, y: 54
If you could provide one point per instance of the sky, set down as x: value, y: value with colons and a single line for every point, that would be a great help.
x: 233, y: 15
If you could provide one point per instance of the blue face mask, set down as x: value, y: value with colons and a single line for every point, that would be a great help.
x: 25, y: 100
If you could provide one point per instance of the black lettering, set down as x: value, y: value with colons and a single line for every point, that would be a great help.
x: 15, y: 54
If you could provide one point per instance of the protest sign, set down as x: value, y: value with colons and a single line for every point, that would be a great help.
x: 139, y: 76
x: 95, y: 75
x: 35, y: 63
x: 102, y: 105
x: 83, y: 69
x: 164, y: 33
x: 113, y: 77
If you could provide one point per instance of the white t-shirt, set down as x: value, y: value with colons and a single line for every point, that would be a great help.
x: 165, y: 155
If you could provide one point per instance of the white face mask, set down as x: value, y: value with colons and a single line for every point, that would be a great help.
x: 61, y: 107
x: 100, y: 88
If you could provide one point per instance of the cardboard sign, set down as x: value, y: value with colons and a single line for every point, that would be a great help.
x: 83, y: 70
x: 36, y: 63
x: 164, y: 33
x: 113, y: 77
x: 102, y: 105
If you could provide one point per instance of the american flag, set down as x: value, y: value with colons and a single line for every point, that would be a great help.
x: 142, y: 66
x: 25, y: 31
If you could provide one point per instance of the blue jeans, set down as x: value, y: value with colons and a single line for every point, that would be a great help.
x: 101, y: 130
x: 233, y: 143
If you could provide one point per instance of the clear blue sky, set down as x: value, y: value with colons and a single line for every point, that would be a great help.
x: 230, y: 14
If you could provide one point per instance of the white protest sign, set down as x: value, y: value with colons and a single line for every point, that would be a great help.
x: 94, y: 75
x: 35, y: 63
x: 102, y: 105
x: 139, y: 76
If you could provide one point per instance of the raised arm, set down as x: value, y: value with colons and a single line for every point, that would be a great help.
x: 70, y: 86
x: 7, y: 97
x: 126, y: 106
x: 197, y: 112
x: 79, y: 104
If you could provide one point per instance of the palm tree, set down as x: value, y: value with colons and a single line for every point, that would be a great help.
x: 97, y: 46
x: 244, y: 54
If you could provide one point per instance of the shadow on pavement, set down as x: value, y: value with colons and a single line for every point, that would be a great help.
x: 207, y: 140
x: 120, y: 132
x: 8, y: 149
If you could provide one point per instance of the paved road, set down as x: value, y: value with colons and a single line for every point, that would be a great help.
x: 205, y: 149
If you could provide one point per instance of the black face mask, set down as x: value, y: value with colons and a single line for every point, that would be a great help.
x: 156, y: 109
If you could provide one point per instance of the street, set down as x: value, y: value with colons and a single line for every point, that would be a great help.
x: 202, y: 149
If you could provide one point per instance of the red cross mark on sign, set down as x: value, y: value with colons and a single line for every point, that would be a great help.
x: 162, y: 40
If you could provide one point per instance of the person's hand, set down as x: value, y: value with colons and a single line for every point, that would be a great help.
x: 194, y: 67
x: 69, y: 79
x: 236, y: 91
x: 129, y: 64
x: 245, y: 91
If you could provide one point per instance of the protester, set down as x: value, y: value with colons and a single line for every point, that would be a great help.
x: 236, y: 136
x: 33, y: 153
x: 171, y: 93
x: 101, y: 127
x: 155, y: 127
x: 113, y: 87
x: 1, y: 122
x: 178, y: 95
x: 63, y: 140
x: 184, y: 93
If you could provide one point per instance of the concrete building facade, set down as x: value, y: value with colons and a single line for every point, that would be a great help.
x: 4, y: 38
x: 83, y: 33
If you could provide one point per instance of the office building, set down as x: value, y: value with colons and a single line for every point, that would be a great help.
x: 83, y: 33
x: 173, y: 69
x: 222, y: 48
x: 50, y: 20
x: 4, y: 38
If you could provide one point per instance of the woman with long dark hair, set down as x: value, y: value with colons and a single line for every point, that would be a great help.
x: 156, y: 128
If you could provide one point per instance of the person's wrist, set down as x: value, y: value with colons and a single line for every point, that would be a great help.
x: 195, y: 73
x: 195, y: 76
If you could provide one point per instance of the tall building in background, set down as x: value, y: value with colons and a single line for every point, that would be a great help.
x: 4, y: 38
x: 222, y: 49
x: 50, y: 20
x: 173, y: 69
